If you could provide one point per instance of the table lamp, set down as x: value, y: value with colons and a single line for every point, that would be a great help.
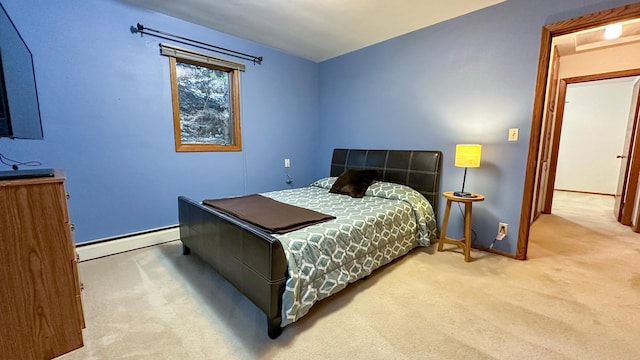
x: 467, y: 155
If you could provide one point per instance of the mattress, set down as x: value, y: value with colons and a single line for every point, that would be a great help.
x: 367, y: 233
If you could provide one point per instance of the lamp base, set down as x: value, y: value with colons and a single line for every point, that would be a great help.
x: 464, y: 194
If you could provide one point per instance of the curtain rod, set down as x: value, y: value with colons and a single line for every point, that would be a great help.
x: 144, y: 30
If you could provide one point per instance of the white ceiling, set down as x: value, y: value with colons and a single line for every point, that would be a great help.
x: 316, y: 30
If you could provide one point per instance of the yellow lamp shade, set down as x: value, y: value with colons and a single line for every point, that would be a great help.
x: 468, y: 155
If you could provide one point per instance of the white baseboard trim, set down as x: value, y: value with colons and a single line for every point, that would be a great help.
x: 133, y: 242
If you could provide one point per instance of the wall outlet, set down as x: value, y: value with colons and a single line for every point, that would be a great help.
x: 503, y: 228
x: 287, y: 163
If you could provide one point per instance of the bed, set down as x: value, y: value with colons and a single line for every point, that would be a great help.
x: 266, y: 267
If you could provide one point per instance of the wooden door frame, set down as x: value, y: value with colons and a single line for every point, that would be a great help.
x: 548, y: 122
x: 633, y: 168
x: 557, y: 130
x: 555, y: 147
x: 597, y: 19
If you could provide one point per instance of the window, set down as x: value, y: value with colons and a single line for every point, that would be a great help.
x: 206, y: 101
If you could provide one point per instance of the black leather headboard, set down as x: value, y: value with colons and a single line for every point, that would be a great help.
x: 419, y: 169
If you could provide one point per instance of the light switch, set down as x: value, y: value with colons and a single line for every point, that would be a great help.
x: 513, y: 134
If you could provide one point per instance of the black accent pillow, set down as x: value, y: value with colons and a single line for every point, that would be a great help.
x: 354, y: 182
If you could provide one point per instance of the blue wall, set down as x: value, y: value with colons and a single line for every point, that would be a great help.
x: 105, y: 101
x: 106, y: 109
x: 466, y: 80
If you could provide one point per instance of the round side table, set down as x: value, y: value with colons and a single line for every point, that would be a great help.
x: 465, y: 242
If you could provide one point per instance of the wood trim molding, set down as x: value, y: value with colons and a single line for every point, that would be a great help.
x: 555, y: 146
x: 534, y: 144
x: 604, y: 17
x: 633, y: 169
x: 603, y: 76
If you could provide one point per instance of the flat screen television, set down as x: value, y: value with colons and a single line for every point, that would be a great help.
x: 19, y: 107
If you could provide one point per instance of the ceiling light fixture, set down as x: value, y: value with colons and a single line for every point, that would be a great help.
x: 613, y: 31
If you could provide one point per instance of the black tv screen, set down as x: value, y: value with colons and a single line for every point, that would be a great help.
x: 19, y: 107
x: 5, y: 122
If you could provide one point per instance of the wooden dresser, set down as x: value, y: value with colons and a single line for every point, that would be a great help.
x: 41, y: 313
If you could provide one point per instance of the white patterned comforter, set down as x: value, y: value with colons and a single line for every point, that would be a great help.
x: 369, y: 232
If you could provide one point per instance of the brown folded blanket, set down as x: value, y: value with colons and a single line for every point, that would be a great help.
x: 270, y: 215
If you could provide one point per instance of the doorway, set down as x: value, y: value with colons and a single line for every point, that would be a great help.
x: 598, y: 116
x: 549, y: 32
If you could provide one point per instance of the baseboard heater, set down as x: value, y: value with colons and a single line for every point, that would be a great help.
x: 115, y: 245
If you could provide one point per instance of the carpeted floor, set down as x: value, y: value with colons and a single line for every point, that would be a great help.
x: 577, y: 297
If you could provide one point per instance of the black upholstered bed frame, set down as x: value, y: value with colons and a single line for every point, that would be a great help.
x: 254, y: 261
